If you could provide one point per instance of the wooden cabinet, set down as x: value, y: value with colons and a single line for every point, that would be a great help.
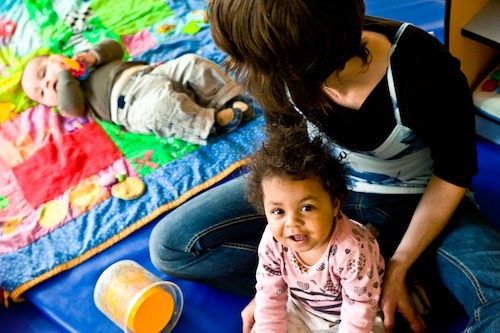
x: 473, y: 35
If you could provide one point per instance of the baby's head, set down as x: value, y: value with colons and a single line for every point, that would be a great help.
x: 39, y: 79
x: 289, y: 155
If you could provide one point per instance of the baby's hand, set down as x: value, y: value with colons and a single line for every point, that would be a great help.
x: 57, y: 63
x: 89, y: 59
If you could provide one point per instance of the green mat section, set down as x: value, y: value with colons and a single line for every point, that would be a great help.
x: 140, y: 14
x: 146, y: 152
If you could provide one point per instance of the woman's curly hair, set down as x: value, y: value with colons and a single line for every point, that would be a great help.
x: 289, y: 154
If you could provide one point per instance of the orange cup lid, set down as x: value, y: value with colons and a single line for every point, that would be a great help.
x: 151, y: 312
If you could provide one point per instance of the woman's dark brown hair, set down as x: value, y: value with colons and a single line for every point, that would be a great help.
x: 274, y: 44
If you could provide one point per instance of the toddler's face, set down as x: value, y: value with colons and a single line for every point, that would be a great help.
x: 40, y: 78
x: 300, y: 214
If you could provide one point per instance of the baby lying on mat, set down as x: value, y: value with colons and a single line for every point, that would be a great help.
x: 188, y: 98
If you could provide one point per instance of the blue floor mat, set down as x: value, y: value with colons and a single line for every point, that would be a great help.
x: 487, y: 183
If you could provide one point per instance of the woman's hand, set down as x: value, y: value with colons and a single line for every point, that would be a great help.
x: 247, y: 317
x: 396, y: 298
x: 433, y: 212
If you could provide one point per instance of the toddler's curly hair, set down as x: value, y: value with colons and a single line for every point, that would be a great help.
x: 289, y: 154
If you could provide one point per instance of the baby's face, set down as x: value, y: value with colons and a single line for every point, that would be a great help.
x: 40, y: 78
x: 300, y: 214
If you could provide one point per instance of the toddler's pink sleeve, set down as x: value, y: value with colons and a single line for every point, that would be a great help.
x: 361, y: 278
x: 272, y: 291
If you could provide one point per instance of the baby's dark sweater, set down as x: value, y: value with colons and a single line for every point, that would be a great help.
x: 94, y: 93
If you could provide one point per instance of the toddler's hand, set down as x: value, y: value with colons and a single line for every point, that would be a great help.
x: 247, y: 316
x: 89, y: 59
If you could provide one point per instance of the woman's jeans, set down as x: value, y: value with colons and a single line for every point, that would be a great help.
x: 213, y: 239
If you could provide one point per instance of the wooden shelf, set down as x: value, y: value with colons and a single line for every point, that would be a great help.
x: 485, y: 26
x: 477, y: 57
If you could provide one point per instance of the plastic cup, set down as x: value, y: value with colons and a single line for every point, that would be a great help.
x: 136, y: 300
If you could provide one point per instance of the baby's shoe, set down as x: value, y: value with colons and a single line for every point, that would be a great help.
x: 227, y: 120
x: 245, y: 109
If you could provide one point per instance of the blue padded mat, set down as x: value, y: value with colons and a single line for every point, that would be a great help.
x: 487, y: 182
x: 426, y: 14
x: 68, y: 297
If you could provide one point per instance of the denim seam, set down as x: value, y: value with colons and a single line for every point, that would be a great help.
x: 240, y: 246
x: 467, y: 273
x: 360, y: 207
x: 216, y: 227
x: 477, y: 315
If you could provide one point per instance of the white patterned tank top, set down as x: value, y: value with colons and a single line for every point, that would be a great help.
x: 400, y: 165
